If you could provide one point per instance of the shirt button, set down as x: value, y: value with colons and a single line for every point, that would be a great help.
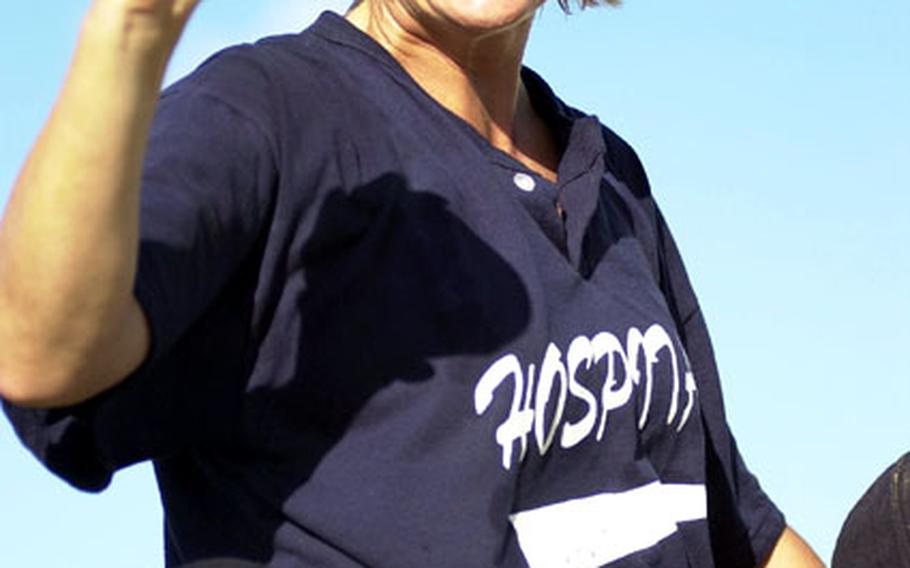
x: 524, y: 182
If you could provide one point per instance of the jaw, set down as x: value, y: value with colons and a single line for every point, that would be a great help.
x: 483, y: 17
x: 490, y: 33
x: 463, y: 18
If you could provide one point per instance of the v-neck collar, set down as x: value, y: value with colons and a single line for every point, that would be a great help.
x: 578, y: 135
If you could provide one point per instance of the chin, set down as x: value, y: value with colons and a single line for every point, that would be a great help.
x: 480, y: 15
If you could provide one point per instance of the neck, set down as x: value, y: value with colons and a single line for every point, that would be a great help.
x: 476, y: 76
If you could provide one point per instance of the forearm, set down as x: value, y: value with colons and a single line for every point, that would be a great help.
x: 791, y: 551
x: 69, y: 237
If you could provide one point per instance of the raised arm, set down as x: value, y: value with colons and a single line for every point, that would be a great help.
x: 69, y: 324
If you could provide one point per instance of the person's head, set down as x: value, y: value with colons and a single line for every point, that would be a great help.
x: 481, y: 14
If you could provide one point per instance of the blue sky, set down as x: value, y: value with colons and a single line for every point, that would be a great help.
x: 777, y: 138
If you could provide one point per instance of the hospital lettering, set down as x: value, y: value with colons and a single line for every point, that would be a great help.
x: 539, y: 395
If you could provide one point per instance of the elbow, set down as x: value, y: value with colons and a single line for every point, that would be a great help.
x: 33, y: 373
x: 39, y: 388
x: 42, y: 374
x: 53, y: 372
x: 16, y: 393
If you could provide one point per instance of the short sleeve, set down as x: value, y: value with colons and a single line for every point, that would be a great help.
x: 207, y: 187
x: 744, y: 522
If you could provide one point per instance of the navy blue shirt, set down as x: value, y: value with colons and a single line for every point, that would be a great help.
x: 375, y: 342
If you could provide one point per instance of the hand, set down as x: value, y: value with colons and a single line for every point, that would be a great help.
x: 152, y: 26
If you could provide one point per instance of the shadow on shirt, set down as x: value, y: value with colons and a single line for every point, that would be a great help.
x: 385, y: 297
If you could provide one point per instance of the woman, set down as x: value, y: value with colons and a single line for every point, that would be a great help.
x: 382, y: 300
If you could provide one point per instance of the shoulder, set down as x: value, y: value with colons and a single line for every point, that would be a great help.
x: 620, y: 158
x: 262, y: 80
x: 270, y: 61
x: 271, y: 94
x: 623, y: 162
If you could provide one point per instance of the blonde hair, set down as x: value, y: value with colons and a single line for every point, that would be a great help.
x: 564, y: 4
